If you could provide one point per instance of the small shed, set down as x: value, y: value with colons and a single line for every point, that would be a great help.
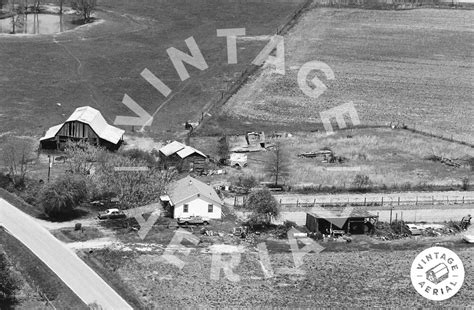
x: 182, y: 156
x: 85, y: 124
x: 325, y: 220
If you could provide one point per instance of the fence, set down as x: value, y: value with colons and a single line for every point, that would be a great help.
x: 251, y: 69
x: 392, y: 4
x: 387, y: 201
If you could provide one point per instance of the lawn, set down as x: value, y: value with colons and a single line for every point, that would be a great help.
x: 410, y: 66
x: 97, y: 64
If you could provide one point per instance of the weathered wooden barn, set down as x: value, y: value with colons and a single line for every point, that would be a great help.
x: 358, y: 221
x: 85, y: 124
x: 183, y: 157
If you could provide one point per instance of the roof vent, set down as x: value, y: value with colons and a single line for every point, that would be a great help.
x: 190, y: 182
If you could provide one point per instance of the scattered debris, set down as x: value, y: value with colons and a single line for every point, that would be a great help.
x: 444, y: 160
x: 238, y: 160
x: 325, y: 155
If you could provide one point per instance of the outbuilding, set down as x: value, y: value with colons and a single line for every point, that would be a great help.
x: 325, y: 220
x: 182, y: 156
x: 191, y: 197
x: 85, y: 124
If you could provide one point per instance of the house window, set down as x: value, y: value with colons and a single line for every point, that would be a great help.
x: 185, y: 208
x: 210, y: 208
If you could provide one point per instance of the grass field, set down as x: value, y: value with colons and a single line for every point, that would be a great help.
x: 97, y: 64
x: 396, y: 159
x: 411, y: 66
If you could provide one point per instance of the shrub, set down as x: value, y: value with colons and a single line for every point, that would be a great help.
x: 59, y: 198
x: 245, y: 181
x: 361, y: 182
x: 263, y: 205
x: 140, y: 155
x: 8, y: 283
x: 465, y: 183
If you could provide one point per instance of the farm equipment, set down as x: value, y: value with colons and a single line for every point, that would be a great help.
x: 240, y: 231
x: 326, y: 156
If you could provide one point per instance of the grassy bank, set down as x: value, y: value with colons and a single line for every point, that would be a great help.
x: 38, y: 275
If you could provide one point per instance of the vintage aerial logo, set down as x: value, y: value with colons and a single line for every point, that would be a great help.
x: 437, y: 273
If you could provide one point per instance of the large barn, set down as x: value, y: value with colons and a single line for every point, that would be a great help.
x: 85, y: 124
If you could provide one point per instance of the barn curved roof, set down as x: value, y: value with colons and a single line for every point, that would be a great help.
x: 95, y: 120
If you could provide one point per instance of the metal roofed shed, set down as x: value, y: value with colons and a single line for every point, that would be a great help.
x: 172, y: 148
x: 84, y: 124
x: 358, y: 221
x: 181, y: 156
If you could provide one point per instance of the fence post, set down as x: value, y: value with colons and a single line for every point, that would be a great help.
x: 382, y: 200
x: 297, y: 203
x: 280, y: 202
x: 462, y: 199
x: 398, y: 200
x: 432, y: 200
x: 365, y: 201
x: 416, y: 203
x: 314, y: 202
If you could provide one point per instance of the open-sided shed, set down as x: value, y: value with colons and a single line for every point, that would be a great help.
x: 357, y: 221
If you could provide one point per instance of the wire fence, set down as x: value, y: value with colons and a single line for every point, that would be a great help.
x: 374, y: 201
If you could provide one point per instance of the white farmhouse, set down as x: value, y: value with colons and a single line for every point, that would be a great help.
x: 191, y: 197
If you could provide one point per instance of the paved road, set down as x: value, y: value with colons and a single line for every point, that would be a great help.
x: 79, y: 277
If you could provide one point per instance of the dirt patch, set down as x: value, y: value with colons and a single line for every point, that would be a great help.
x: 72, y: 235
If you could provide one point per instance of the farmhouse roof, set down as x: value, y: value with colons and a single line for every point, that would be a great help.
x: 95, y: 120
x: 180, y: 149
x: 188, y: 187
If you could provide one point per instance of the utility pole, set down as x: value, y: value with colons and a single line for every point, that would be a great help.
x: 49, y: 166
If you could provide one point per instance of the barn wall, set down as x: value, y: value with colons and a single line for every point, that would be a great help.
x: 77, y: 130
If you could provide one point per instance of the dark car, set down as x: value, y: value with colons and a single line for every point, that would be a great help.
x: 111, y: 214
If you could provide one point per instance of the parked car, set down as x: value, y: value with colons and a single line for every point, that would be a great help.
x: 414, y: 230
x: 193, y: 220
x: 111, y: 214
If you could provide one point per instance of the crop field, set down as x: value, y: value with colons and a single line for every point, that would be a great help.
x: 362, y: 275
x: 99, y: 63
x: 411, y: 66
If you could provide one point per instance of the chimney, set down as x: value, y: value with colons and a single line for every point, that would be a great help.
x: 190, y: 182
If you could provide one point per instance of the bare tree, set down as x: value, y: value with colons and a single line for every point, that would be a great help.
x: 223, y: 148
x: 17, y: 154
x: 61, y: 3
x: 81, y: 156
x: 84, y: 8
x: 277, y: 164
x: 133, y: 188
